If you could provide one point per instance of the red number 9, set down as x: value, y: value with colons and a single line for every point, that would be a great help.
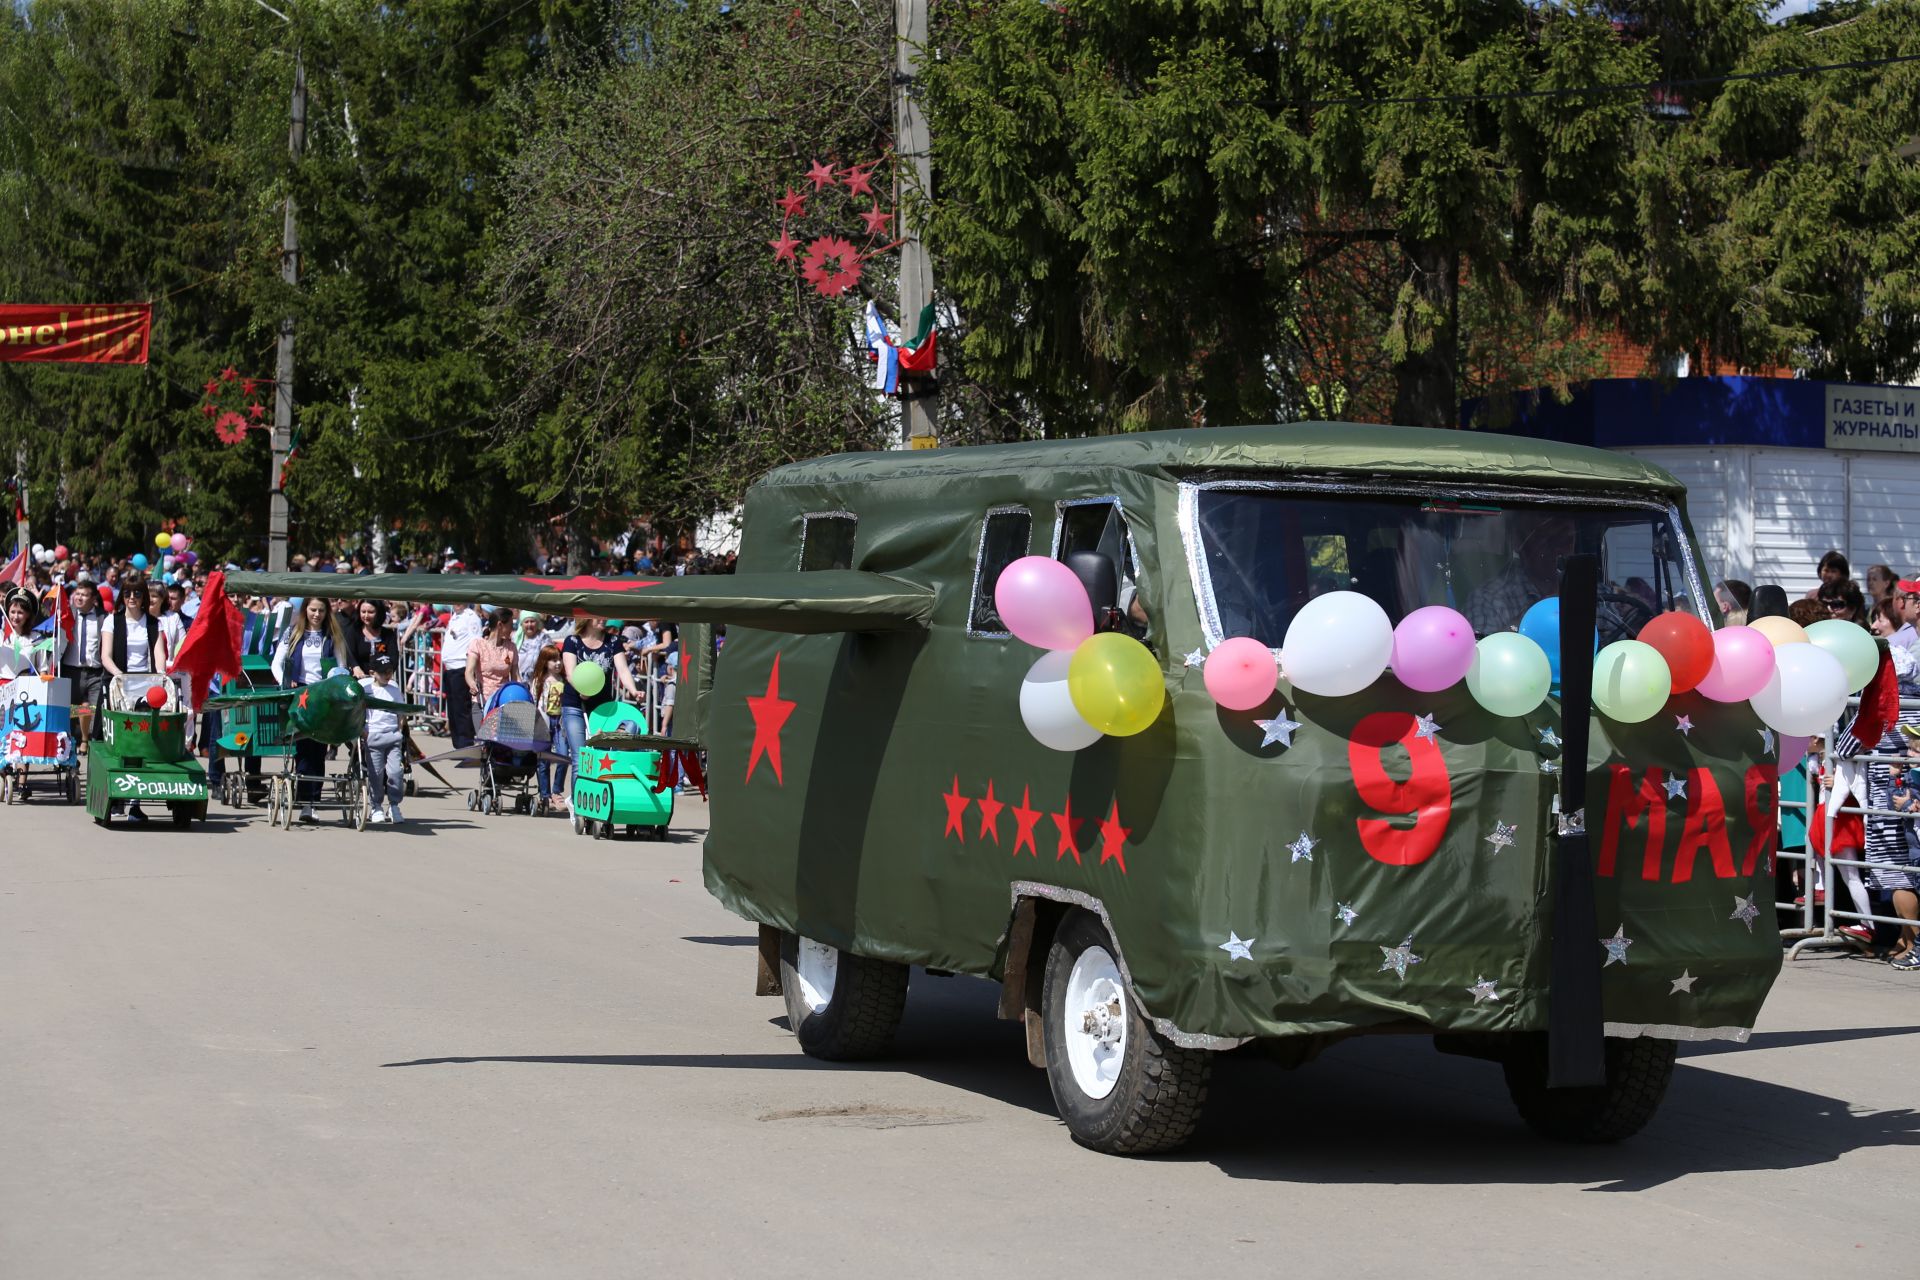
x: 1426, y: 796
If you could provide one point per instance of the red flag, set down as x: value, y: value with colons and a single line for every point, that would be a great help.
x: 213, y: 643
x: 15, y: 570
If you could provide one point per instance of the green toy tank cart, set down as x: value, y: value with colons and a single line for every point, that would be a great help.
x: 142, y: 756
x: 1563, y: 884
x: 613, y: 785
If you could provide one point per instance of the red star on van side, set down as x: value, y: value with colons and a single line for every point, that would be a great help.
x: 956, y: 811
x: 990, y: 814
x: 1068, y: 828
x: 1026, y: 817
x: 770, y: 712
x: 1113, y: 838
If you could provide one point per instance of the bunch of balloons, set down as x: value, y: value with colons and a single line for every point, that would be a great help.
x: 48, y: 555
x: 174, y: 542
x: 1087, y: 684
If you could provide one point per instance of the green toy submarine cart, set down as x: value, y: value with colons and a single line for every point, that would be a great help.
x: 897, y: 780
x: 142, y: 756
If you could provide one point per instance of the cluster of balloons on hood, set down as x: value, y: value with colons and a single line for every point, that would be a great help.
x: 1796, y: 679
x: 175, y: 564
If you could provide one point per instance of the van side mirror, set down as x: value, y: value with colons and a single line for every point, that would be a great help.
x: 1101, y: 577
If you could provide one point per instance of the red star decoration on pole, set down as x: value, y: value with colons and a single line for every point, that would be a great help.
x: 990, y: 814
x: 213, y: 385
x: 1026, y: 817
x: 784, y: 247
x: 793, y: 204
x: 860, y: 181
x: 956, y: 811
x: 229, y: 373
x: 821, y: 174
x: 583, y: 582
x: 876, y: 221
x: 246, y: 387
x: 1113, y: 838
x: 255, y: 411
x: 210, y: 410
x: 1068, y: 828
x: 770, y: 712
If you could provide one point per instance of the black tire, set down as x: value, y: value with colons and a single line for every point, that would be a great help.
x: 857, y: 1018
x: 182, y: 817
x: 1155, y: 1102
x: 1638, y: 1072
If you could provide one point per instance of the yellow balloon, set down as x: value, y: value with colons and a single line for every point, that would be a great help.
x: 1115, y: 683
x: 1779, y: 631
x: 162, y: 540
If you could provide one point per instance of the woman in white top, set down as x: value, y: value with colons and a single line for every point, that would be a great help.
x: 133, y: 643
x: 308, y: 652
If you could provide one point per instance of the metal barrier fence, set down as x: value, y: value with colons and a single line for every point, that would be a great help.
x: 1821, y: 906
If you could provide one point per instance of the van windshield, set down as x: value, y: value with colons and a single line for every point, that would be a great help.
x: 1264, y: 552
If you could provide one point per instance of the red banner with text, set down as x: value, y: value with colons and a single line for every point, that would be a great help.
x: 90, y: 333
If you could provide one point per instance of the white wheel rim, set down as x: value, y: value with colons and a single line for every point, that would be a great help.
x: 817, y: 965
x: 1096, y: 1016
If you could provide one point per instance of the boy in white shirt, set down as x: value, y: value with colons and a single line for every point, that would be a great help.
x: 385, y: 747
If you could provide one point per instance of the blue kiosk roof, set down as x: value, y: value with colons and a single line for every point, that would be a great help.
x: 1627, y: 413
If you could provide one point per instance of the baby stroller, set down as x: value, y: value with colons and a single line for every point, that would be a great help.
x: 510, y: 739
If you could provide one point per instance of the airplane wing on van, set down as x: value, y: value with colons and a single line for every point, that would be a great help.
x: 825, y: 601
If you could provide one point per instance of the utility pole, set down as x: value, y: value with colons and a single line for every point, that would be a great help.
x: 283, y: 361
x: 912, y: 146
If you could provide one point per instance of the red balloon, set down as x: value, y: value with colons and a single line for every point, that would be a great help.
x: 156, y: 697
x: 1684, y: 641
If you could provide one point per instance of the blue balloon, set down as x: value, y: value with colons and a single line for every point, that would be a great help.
x: 513, y: 693
x: 139, y: 561
x: 1541, y: 624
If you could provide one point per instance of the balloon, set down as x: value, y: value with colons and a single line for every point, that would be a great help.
x: 1046, y: 705
x: 1116, y: 684
x: 1241, y: 673
x: 190, y: 557
x: 1852, y: 644
x: 60, y: 552
x: 166, y: 562
x: 162, y: 540
x: 1631, y: 681
x: 1742, y: 661
x: 520, y: 693
x: 1779, y: 631
x: 1510, y: 675
x: 139, y: 561
x: 1685, y: 643
x: 1793, y: 747
x: 1806, y: 692
x: 178, y: 542
x: 1337, y: 644
x: 1432, y: 649
x: 1042, y: 602
x: 587, y: 679
x: 156, y: 696
x: 37, y: 549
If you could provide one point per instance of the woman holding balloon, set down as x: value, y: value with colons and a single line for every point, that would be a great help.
x: 593, y: 660
x: 133, y: 643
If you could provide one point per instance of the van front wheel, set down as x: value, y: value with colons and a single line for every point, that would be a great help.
x: 842, y: 1007
x: 1121, y: 1086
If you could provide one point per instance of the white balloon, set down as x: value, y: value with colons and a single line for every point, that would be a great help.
x: 1337, y: 644
x: 1046, y: 705
x: 1806, y: 692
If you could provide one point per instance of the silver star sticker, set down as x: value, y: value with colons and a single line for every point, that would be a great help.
x: 1502, y: 836
x: 1346, y: 912
x: 1483, y: 990
x: 1617, y: 946
x: 1548, y: 738
x: 1549, y: 766
x: 1683, y: 985
x: 1237, y: 947
x: 1303, y: 847
x: 1398, y: 958
x: 1676, y: 787
x: 1426, y: 728
x: 1766, y: 739
x: 1745, y: 912
x: 1197, y: 658
x: 1684, y: 724
x: 1279, y: 729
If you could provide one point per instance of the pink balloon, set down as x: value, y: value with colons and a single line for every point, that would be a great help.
x: 1792, y: 751
x: 1432, y: 649
x: 1042, y: 602
x: 1241, y: 673
x: 60, y: 552
x: 178, y: 542
x: 1742, y: 662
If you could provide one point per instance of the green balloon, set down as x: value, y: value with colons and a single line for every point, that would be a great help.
x: 1852, y: 644
x: 588, y: 679
x: 1510, y: 674
x: 1631, y: 681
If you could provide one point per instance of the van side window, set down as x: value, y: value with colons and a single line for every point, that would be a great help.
x: 826, y: 540
x: 1098, y: 525
x: 1005, y: 536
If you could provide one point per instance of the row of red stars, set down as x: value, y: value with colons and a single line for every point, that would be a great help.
x: 1066, y: 825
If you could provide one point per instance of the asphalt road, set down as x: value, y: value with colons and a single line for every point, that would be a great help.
x: 490, y: 1048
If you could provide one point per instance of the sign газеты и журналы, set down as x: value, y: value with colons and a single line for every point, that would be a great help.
x: 1873, y: 417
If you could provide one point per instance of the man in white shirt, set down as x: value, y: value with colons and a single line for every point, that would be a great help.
x: 80, y: 661
x: 463, y: 628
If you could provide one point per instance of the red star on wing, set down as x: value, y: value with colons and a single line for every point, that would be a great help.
x: 584, y: 582
x: 876, y: 221
x: 990, y: 814
x: 793, y: 204
x: 770, y: 712
x: 821, y: 174
x: 860, y: 181
x: 956, y: 811
x: 303, y: 697
x: 1113, y: 838
x: 783, y: 248
x: 1026, y: 817
x: 1068, y: 828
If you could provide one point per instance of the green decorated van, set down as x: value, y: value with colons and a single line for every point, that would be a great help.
x: 1556, y: 890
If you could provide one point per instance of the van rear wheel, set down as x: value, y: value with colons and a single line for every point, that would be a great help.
x: 1638, y: 1072
x: 1121, y: 1086
x: 842, y: 1007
